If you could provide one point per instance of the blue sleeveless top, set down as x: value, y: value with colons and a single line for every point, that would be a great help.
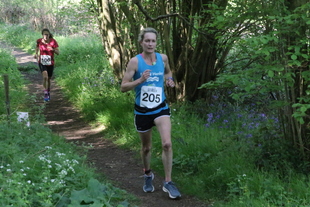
x: 150, y: 94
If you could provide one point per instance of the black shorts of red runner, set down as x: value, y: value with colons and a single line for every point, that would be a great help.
x: 48, y: 68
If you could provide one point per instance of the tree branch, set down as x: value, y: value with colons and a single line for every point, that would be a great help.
x: 138, y: 3
x: 148, y: 17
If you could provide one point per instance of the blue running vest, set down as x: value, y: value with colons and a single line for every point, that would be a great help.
x: 150, y: 94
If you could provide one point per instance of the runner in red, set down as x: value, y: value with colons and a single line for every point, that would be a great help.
x: 47, y: 46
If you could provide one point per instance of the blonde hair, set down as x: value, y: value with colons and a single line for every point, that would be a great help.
x: 146, y: 30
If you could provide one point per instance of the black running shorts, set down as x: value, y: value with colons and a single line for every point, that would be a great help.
x: 48, y: 68
x: 144, y: 123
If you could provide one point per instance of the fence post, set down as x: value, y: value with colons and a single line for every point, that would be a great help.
x: 7, y: 98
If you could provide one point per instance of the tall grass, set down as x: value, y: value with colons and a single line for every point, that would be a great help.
x: 224, y: 153
x: 9, y: 67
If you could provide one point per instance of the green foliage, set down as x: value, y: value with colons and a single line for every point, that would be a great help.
x: 237, y: 154
x: 90, y: 81
x: 301, y: 110
x: 268, y: 67
x: 8, y: 66
x: 61, y: 16
x: 96, y: 194
x: 20, y: 36
x: 34, y: 160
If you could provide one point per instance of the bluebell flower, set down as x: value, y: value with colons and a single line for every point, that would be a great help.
x: 249, y: 136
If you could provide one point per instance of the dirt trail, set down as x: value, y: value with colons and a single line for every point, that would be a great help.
x: 118, y: 165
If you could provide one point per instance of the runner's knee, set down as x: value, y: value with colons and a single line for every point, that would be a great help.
x: 146, y: 150
x: 167, y: 146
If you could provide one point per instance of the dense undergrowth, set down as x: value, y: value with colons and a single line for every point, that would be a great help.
x: 226, y: 154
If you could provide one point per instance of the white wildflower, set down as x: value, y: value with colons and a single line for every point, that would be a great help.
x: 60, y: 154
x: 72, y: 169
x: 63, y: 172
x: 41, y: 157
x: 75, y: 161
x: 58, y: 165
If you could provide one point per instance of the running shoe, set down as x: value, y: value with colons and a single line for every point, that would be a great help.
x: 169, y: 187
x: 148, y: 186
x: 46, y: 97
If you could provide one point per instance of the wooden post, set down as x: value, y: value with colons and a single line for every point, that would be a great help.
x: 7, y: 98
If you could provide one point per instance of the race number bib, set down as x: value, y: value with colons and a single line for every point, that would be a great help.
x: 151, y: 96
x: 46, y: 60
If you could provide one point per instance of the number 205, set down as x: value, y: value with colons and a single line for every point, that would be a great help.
x: 150, y: 97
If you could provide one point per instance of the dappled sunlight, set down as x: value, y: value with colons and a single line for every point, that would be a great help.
x: 59, y: 122
x: 99, y: 128
x: 69, y: 129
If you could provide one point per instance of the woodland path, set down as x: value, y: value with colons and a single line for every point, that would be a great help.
x: 122, y: 167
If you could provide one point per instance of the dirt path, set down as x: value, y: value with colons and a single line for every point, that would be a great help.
x: 118, y: 165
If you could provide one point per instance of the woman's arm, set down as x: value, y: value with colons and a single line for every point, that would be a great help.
x: 56, y: 50
x: 127, y: 83
x: 168, y: 73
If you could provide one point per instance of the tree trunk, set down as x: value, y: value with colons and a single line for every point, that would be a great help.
x: 113, y: 35
x: 297, y: 92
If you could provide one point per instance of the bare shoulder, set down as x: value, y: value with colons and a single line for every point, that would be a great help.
x: 132, y: 64
x: 164, y: 57
x: 133, y: 60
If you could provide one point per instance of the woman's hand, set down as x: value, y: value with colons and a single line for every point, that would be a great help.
x: 170, y: 82
x: 50, y: 48
x: 145, y: 75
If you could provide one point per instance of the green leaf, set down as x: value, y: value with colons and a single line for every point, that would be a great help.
x: 294, y: 57
x: 303, y: 109
x: 80, y: 195
x: 270, y: 73
x: 220, y: 18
